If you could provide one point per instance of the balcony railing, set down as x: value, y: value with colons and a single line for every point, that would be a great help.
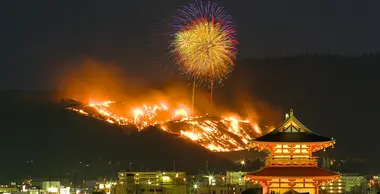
x: 271, y: 161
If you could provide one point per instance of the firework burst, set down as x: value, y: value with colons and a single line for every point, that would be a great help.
x: 204, y: 43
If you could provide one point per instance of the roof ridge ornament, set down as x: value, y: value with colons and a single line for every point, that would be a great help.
x: 287, y: 115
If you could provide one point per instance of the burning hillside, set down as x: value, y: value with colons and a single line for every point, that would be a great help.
x: 103, y: 92
x: 216, y: 133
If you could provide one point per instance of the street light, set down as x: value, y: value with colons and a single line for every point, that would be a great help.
x: 194, y: 188
x: 242, y: 162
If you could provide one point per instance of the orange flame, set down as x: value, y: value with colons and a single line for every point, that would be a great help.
x: 205, y: 130
x: 180, y: 113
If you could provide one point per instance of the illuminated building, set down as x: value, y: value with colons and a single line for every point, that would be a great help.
x: 40, y: 186
x: 51, y: 186
x: 348, y: 183
x: 54, y: 187
x: 4, y: 189
x: 151, y: 182
x: 104, y: 187
x: 290, y: 166
x: 230, y: 183
x: 353, y: 183
x: 374, y: 184
x: 333, y: 187
x: 220, y: 189
x: 235, y: 178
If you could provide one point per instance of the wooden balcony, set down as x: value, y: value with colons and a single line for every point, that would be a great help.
x: 271, y: 161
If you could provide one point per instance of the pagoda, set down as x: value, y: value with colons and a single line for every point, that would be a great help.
x: 290, y: 166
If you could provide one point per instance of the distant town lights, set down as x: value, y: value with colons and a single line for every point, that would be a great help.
x: 64, y: 190
x: 52, y: 190
x: 165, y: 178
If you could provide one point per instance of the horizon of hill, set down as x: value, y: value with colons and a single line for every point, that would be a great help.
x: 43, y: 139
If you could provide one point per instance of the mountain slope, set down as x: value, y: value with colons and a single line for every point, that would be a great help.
x: 41, y: 138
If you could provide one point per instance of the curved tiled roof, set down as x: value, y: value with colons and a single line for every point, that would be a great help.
x: 292, y: 130
x: 275, y: 136
x: 292, y: 172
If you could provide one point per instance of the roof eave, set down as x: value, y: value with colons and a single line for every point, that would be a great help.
x: 331, y: 177
x: 300, y: 142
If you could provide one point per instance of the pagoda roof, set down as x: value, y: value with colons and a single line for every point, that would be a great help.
x: 292, y: 130
x: 293, y: 172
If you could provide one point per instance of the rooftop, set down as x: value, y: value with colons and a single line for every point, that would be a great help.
x: 292, y: 130
x: 292, y: 172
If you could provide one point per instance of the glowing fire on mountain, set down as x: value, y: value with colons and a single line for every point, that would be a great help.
x: 216, y: 133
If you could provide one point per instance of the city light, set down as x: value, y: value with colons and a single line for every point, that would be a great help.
x: 165, y: 178
x: 64, y: 190
x: 52, y: 190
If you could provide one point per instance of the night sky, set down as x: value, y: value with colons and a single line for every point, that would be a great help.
x: 40, y: 39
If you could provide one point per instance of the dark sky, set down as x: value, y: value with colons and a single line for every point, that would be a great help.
x: 39, y: 38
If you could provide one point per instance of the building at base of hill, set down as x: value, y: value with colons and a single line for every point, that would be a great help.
x: 348, y: 183
x: 178, y: 182
x: 230, y: 183
x: 290, y: 166
x: 150, y: 182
